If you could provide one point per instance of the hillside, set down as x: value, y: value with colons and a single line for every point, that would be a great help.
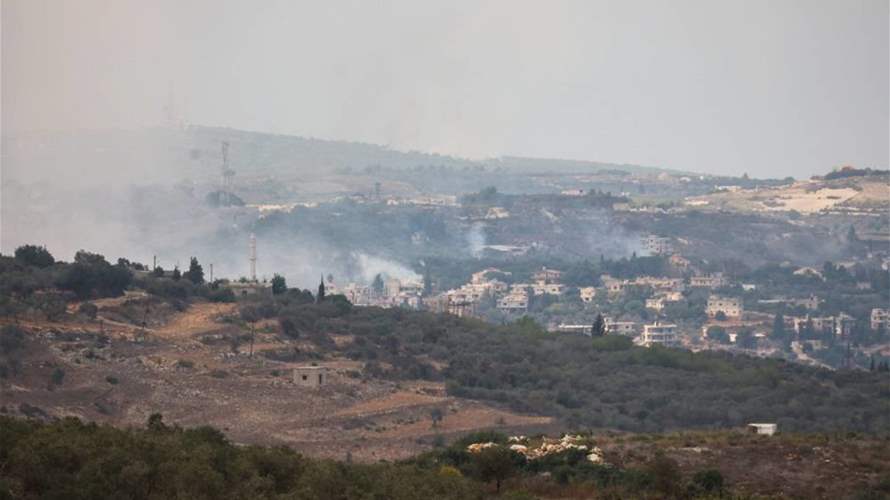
x: 836, y: 195
x: 204, y: 357
x: 71, y: 459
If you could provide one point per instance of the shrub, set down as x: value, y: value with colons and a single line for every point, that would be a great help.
x: 57, y: 376
x: 708, y: 481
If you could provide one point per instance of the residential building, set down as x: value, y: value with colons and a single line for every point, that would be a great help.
x: 715, y: 280
x: 840, y: 325
x: 626, y: 328
x: 547, y: 275
x: 731, y: 307
x: 679, y: 262
x: 582, y: 329
x: 515, y: 301
x: 880, y: 319
x: 587, y: 294
x: 656, y: 303
x: 660, y: 334
x: 572, y: 192
x: 657, y: 245
x: 548, y: 288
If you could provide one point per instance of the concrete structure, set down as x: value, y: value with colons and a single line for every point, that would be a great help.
x: 655, y: 303
x: 880, y: 319
x: 248, y: 287
x: 540, y: 288
x: 657, y: 245
x: 660, y: 334
x: 841, y: 325
x: 811, y: 303
x: 731, y: 307
x: 626, y: 328
x: 583, y: 329
x: 572, y: 192
x: 679, y: 262
x: 497, y: 213
x: 515, y: 301
x: 547, y: 276
x: 587, y: 294
x: 311, y: 376
x: 763, y: 429
x: 715, y: 280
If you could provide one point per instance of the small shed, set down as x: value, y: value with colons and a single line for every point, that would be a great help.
x: 311, y: 376
x: 763, y: 429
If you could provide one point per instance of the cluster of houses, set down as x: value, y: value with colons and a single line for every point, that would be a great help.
x: 395, y: 293
x: 491, y: 288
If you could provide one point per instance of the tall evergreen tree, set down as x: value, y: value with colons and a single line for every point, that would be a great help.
x: 599, y: 326
x: 320, y: 296
x: 377, y: 286
x: 427, y: 281
x: 279, y: 285
x: 195, y: 274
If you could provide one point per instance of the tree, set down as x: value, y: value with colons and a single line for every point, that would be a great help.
x: 195, y: 274
x: 158, y: 272
x: 377, y: 285
x: 708, y: 481
x: 176, y: 274
x: 718, y: 334
x: 779, y: 326
x: 599, y: 326
x: 494, y: 463
x: 58, y: 376
x: 279, y: 285
x: 33, y: 255
x: 436, y: 416
x: 319, y: 298
x: 665, y: 474
x: 745, y: 339
x: 427, y: 282
x: 720, y: 316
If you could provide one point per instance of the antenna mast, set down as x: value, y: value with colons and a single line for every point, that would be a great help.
x: 227, y: 174
x: 252, y: 257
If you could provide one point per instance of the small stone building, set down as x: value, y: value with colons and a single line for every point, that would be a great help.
x: 311, y: 376
x: 763, y: 429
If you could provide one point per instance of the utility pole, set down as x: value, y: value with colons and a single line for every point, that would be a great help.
x: 252, y: 336
x: 252, y: 257
x: 211, y: 272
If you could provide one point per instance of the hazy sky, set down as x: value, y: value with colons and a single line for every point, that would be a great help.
x: 771, y: 88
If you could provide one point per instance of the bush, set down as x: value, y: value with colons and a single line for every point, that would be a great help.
x: 57, y: 376
x: 33, y: 255
x: 12, y: 338
x: 708, y: 481
x: 88, y: 309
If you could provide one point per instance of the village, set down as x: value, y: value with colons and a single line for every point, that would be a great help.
x: 686, y: 307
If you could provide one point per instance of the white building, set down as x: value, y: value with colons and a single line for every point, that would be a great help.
x: 660, y: 334
x: 763, y: 429
x: 626, y: 328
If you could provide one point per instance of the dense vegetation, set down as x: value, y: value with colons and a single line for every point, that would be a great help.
x: 605, y: 382
x: 71, y: 459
